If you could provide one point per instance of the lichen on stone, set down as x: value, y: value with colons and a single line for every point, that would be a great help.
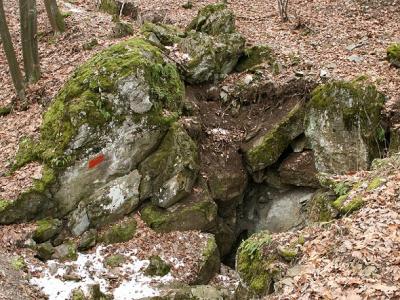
x: 344, y: 126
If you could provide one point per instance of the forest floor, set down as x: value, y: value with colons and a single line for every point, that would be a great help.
x: 342, y: 39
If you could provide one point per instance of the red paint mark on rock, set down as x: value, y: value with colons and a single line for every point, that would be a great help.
x: 96, y: 161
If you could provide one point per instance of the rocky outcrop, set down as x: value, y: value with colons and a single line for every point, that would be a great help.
x: 208, y: 50
x: 109, y: 117
x: 344, y: 126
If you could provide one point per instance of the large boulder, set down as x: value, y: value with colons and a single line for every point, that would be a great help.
x: 170, y: 172
x: 213, y: 19
x: 344, y: 126
x: 208, y: 57
x: 110, y: 116
x: 275, y: 210
x: 265, y: 149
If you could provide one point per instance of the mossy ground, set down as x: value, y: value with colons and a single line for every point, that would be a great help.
x: 114, y: 260
x: 393, y: 54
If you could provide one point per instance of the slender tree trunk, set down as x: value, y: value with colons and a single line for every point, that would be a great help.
x: 11, y: 57
x: 54, y: 15
x: 28, y: 22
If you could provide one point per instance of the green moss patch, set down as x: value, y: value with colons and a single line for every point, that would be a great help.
x: 375, y: 183
x: 252, y: 266
x: 157, y: 267
x: 268, y: 148
x: 393, y: 54
x: 114, y: 260
x: 359, y: 104
x: 213, y: 19
x: 46, y: 229
x: 119, y: 233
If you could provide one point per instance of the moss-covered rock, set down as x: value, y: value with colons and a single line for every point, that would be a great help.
x: 119, y: 233
x: 254, y: 56
x: 320, y: 208
x: 66, y: 251
x: 213, y: 19
x: 209, y: 57
x: 170, y: 172
x: 157, y: 267
x: 264, y: 150
x: 375, y: 183
x: 46, y: 229
x: 344, y: 126
x: 256, y: 268
x: 88, y: 240
x: 109, y: 6
x: 346, y: 204
x: 197, y: 212
x: 165, y: 34
x: 44, y: 251
x: 18, y: 263
x: 107, y: 118
x: 115, y: 260
x: 122, y: 29
x: 393, y: 54
x: 210, y: 262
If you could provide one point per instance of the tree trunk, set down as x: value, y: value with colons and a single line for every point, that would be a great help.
x: 54, y: 15
x: 11, y: 57
x: 28, y: 23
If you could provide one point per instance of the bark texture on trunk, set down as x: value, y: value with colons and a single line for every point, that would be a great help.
x: 11, y: 56
x: 28, y: 21
x: 54, y: 15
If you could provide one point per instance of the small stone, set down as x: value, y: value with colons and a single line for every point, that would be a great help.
x: 188, y: 5
x: 44, y: 251
x: 66, y: 251
x: 53, y: 268
x: 248, y: 79
x: 355, y: 58
x: 88, y: 240
x: 324, y: 73
x: 114, y: 260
